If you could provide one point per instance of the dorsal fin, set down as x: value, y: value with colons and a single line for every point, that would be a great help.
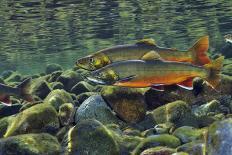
x: 149, y: 41
x: 152, y: 55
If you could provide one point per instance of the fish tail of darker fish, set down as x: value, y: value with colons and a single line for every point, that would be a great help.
x: 214, y: 69
x: 25, y: 90
x: 199, y: 51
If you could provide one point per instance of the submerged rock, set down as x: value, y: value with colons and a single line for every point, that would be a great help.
x: 58, y: 97
x: 157, y: 140
x: 219, y: 138
x: 193, y: 148
x: 14, y: 77
x: 177, y: 112
x: 39, y: 118
x: 129, y: 104
x: 30, y: 144
x: 40, y: 88
x: 6, y: 74
x: 50, y: 68
x: 69, y: 78
x: 83, y: 96
x: 96, y: 108
x: 4, y: 123
x: 56, y: 85
x: 81, y: 87
x: 90, y: 137
x: 66, y: 114
x: 158, y: 151
x: 54, y: 76
x: 227, y: 70
x: 187, y: 134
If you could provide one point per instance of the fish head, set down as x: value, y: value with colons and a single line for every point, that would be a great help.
x: 93, y: 62
x: 104, y: 76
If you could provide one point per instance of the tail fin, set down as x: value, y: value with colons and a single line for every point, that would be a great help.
x: 25, y: 90
x: 199, y: 49
x: 214, y: 68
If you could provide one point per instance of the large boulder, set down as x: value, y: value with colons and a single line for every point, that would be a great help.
x: 30, y: 144
x: 81, y: 87
x: 178, y: 113
x: 50, y: 68
x: 39, y: 118
x: 219, y: 138
x: 90, y: 137
x: 129, y: 104
x: 4, y: 123
x: 96, y: 108
x: 69, y: 78
x: 58, y: 97
x: 40, y: 88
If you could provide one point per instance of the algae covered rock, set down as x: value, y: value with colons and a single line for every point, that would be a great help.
x: 54, y: 76
x: 158, y: 151
x: 128, y: 103
x: 193, y: 148
x: 7, y: 73
x: 58, y: 97
x: 227, y: 70
x: 96, y: 108
x: 56, y: 85
x: 157, y: 140
x: 39, y: 118
x: 219, y: 138
x: 81, y: 87
x: 66, y: 114
x: 187, y: 134
x: 9, y: 110
x: 50, y: 68
x: 14, y: 77
x: 30, y: 144
x: 4, y: 123
x: 40, y: 88
x: 83, y: 96
x: 178, y: 113
x: 69, y: 78
x: 90, y: 137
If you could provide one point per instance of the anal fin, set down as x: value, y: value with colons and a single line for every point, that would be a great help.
x: 187, y: 84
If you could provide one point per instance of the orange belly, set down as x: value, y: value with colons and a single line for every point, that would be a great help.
x: 149, y: 81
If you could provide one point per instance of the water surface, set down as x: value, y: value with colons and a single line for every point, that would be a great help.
x: 35, y: 33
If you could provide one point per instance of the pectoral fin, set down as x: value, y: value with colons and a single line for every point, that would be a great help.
x: 187, y: 84
x: 5, y: 99
x: 152, y: 55
x: 126, y: 79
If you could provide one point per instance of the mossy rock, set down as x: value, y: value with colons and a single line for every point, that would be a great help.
x: 6, y: 74
x: 188, y: 134
x: 227, y: 70
x: 129, y: 104
x: 40, y: 88
x: 157, y: 140
x: 54, y: 76
x: 14, y: 77
x: 66, y: 114
x: 178, y: 113
x: 4, y: 123
x: 56, y: 85
x: 50, y: 68
x: 37, y: 119
x: 193, y: 148
x: 69, y: 78
x: 30, y: 144
x: 81, y: 87
x: 219, y: 137
x: 58, y: 97
x: 158, y: 151
x: 90, y: 137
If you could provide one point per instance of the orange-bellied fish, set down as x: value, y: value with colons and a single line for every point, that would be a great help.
x: 153, y: 73
x: 144, y: 49
x: 22, y: 91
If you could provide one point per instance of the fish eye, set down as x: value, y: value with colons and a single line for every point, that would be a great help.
x: 91, y: 60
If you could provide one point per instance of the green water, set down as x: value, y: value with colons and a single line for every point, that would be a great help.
x: 38, y: 32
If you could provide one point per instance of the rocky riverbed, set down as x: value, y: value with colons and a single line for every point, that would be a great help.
x: 72, y: 116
